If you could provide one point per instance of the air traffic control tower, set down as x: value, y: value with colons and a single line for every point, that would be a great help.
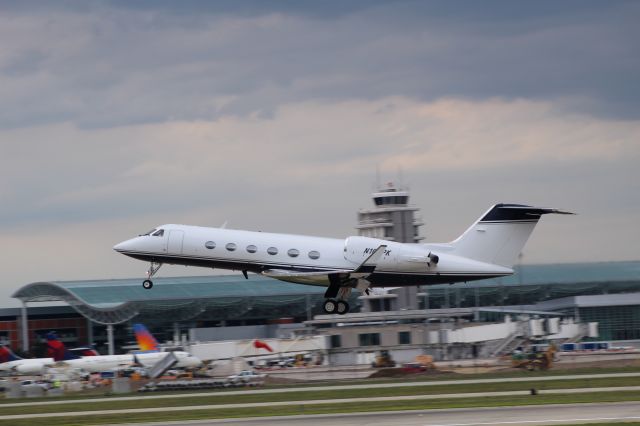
x: 393, y: 219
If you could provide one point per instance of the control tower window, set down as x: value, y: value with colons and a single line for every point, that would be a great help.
x: 231, y: 246
x: 252, y: 248
x: 293, y: 252
x: 158, y: 233
x: 314, y: 254
x: 272, y: 250
x: 391, y: 200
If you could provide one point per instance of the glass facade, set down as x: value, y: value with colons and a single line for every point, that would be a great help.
x: 233, y: 300
x: 614, y: 322
x: 484, y: 294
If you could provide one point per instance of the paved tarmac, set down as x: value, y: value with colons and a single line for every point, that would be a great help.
x: 499, y: 416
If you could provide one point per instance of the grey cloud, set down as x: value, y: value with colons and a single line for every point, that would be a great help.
x: 111, y: 65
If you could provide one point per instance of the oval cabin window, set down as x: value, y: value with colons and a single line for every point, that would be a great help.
x: 210, y: 245
x: 293, y: 252
x: 231, y: 246
x: 272, y: 250
x: 314, y: 254
x: 252, y: 248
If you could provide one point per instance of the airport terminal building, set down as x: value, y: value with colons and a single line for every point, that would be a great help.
x: 102, y: 311
x: 225, y: 307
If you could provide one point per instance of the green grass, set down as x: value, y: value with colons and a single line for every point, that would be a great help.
x: 298, y: 409
x: 302, y: 395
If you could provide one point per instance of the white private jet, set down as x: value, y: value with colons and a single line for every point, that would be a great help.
x: 489, y: 248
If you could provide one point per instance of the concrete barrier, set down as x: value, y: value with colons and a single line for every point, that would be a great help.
x: 121, y: 385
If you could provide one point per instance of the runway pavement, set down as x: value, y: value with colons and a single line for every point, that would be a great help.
x: 499, y: 416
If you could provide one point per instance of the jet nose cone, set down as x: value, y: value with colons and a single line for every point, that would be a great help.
x: 123, y: 246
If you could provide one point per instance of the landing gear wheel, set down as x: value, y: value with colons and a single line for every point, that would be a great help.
x: 153, y: 268
x: 343, y: 307
x: 330, y: 306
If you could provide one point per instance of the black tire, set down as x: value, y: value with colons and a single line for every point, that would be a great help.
x: 342, y: 307
x: 147, y: 284
x: 329, y: 306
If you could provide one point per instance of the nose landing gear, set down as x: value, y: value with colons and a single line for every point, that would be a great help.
x: 153, y: 268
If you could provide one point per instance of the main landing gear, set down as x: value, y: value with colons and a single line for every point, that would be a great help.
x: 337, y: 296
x: 336, y: 306
x: 153, y: 268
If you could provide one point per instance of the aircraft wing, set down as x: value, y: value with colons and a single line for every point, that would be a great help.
x: 324, y: 278
x: 311, y: 278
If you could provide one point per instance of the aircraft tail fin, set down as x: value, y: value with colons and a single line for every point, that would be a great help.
x: 57, y: 350
x: 259, y: 344
x: 6, y: 354
x: 500, y: 234
x: 145, y: 339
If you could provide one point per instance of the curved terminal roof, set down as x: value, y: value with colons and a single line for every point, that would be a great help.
x: 234, y: 297
x: 535, y: 283
x: 178, y: 298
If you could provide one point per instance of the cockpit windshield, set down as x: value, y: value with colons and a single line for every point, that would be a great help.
x: 154, y: 233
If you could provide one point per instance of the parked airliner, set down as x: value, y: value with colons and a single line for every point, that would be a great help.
x: 97, y: 364
x: 148, y: 358
x: 488, y: 248
x: 11, y: 363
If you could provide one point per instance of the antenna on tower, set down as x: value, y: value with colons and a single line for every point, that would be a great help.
x: 400, y: 178
x: 377, y: 177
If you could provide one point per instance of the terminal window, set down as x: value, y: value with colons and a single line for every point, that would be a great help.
x: 336, y: 341
x: 369, y: 339
x: 404, y: 337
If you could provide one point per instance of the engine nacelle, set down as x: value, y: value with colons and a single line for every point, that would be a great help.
x: 358, y: 249
x: 415, y: 258
x: 397, y: 256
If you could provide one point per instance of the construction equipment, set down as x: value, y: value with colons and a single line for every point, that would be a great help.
x: 533, y: 360
x: 383, y: 359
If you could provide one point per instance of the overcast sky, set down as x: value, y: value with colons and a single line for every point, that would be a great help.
x: 118, y: 116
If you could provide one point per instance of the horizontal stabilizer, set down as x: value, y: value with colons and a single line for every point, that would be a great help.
x: 517, y: 213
